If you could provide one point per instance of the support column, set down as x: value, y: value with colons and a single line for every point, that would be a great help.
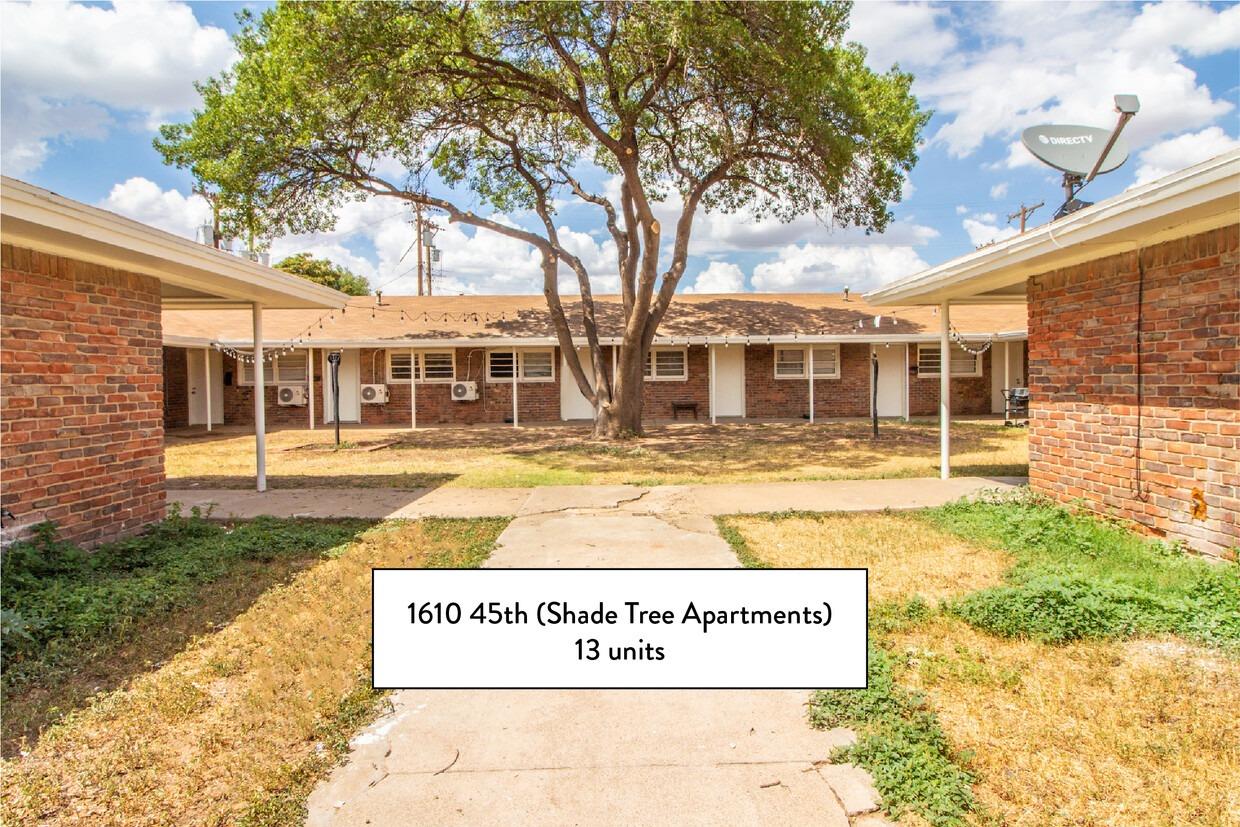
x: 945, y: 392
x: 907, y: 384
x: 413, y: 390
x: 516, y: 369
x: 310, y: 379
x: 713, y: 418
x: 1007, y: 365
x: 206, y: 372
x: 809, y: 368
x: 260, y: 402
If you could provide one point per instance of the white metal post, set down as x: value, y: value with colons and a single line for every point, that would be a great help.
x: 907, y: 383
x: 260, y: 402
x: 809, y: 366
x: 945, y: 392
x: 515, y: 368
x: 413, y: 390
x: 310, y: 378
x: 713, y: 419
x: 206, y: 372
x: 1007, y: 365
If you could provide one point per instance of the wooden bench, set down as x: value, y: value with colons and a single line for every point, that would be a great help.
x: 684, y: 407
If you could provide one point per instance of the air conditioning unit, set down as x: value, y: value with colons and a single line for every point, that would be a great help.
x: 291, y: 395
x: 375, y: 394
x: 464, y: 391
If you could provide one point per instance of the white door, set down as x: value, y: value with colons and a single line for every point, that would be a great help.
x: 199, y: 376
x: 729, y: 380
x: 350, y: 388
x: 573, y: 404
x: 892, y: 379
x: 1015, y: 373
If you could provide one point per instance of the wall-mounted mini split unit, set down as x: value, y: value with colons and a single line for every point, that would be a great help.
x: 291, y: 395
x: 375, y: 394
x: 464, y: 391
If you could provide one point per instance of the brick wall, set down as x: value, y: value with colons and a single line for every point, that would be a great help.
x: 81, y: 405
x: 771, y: 398
x: 659, y: 396
x: 970, y: 394
x: 1087, y: 430
x: 176, y: 387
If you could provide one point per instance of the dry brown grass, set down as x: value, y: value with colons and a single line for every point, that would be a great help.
x: 905, y: 556
x: 197, y: 739
x: 1137, y: 733
x: 487, y: 457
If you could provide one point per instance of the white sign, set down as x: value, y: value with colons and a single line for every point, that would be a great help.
x: 619, y: 628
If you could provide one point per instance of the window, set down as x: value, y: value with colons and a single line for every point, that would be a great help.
x: 827, y: 362
x: 963, y: 362
x: 431, y: 366
x: 400, y: 366
x: 289, y: 369
x: 537, y: 365
x: 789, y: 363
x: 667, y: 364
x: 531, y: 365
x: 500, y: 364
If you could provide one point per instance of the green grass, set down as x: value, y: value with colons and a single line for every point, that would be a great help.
x: 739, y: 546
x: 1079, y: 577
x: 901, y: 744
x: 77, y: 622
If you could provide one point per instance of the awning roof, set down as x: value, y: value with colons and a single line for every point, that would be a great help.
x: 191, y: 274
x: 1203, y: 197
x: 413, y: 321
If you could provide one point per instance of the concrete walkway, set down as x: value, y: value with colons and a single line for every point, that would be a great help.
x: 599, y: 757
x: 708, y: 500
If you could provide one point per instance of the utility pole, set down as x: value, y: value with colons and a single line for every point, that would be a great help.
x: 417, y: 212
x: 1023, y: 213
x: 209, y: 197
x: 429, y: 230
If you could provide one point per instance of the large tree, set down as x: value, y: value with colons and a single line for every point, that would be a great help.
x: 757, y: 106
x: 325, y: 272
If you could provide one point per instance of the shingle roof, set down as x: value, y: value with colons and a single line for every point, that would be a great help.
x: 409, y: 320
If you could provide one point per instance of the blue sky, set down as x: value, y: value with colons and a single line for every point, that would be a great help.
x: 86, y: 85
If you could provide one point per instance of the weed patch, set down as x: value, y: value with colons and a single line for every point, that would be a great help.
x: 901, y: 744
x: 1078, y: 577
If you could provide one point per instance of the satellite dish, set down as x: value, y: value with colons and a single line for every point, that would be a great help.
x: 1074, y: 149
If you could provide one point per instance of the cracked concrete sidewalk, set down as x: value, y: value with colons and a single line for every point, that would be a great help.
x: 709, y: 500
x: 599, y: 757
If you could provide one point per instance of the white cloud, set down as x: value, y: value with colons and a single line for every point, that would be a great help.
x: 65, y: 65
x: 719, y: 277
x: 910, y: 34
x: 822, y: 267
x: 143, y: 200
x: 961, y: 209
x: 1174, y: 154
x: 1055, y: 62
x: 982, y: 229
x: 999, y: 190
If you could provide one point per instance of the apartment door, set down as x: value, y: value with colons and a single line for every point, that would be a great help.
x: 350, y: 387
x: 573, y: 403
x: 205, y: 366
x: 892, y: 379
x: 729, y: 380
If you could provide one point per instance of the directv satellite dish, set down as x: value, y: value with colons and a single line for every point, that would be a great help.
x: 1074, y: 149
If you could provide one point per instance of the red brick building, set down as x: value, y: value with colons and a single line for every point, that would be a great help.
x: 742, y: 356
x: 1134, y: 350
x: 82, y: 397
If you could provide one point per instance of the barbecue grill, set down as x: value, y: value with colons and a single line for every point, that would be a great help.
x: 1016, y: 407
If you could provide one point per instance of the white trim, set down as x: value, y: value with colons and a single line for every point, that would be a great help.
x: 1193, y: 200
x: 683, y: 350
x: 977, y: 363
x: 418, y: 365
x: 838, y: 356
x: 775, y: 363
x: 519, y: 365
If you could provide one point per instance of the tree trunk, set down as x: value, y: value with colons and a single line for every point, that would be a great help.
x: 622, y: 417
